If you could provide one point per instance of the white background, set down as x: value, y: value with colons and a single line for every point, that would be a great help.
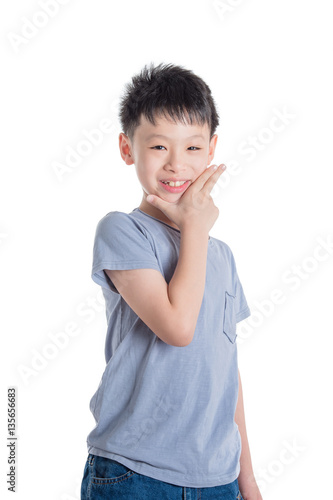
x: 257, y: 57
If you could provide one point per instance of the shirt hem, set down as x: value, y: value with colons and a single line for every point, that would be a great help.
x: 119, y: 266
x: 124, y: 266
x: 245, y: 313
x: 154, y: 473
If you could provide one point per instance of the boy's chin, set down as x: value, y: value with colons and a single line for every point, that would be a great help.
x: 171, y: 197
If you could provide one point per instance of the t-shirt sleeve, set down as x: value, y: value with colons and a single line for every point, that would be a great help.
x: 120, y: 243
x: 242, y: 309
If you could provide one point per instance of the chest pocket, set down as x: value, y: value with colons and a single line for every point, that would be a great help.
x: 229, y: 324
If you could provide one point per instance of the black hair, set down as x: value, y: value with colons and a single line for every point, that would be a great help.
x: 168, y: 90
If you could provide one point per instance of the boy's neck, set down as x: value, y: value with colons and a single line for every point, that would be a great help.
x: 155, y: 212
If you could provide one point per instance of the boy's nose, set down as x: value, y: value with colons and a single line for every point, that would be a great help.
x: 176, y: 169
x: 175, y: 164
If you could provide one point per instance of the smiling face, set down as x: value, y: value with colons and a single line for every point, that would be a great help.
x: 164, y: 154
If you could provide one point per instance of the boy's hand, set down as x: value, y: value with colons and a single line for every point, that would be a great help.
x: 195, y: 206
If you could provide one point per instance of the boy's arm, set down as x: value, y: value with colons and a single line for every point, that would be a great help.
x: 247, y: 483
x: 169, y: 310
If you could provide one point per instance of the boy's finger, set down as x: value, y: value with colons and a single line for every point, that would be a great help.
x: 212, y: 179
x: 210, y: 183
x: 203, y: 178
x: 158, y: 202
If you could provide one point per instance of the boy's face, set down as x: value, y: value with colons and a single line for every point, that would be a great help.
x: 167, y: 151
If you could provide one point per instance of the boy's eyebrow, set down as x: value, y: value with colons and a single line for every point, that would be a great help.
x: 165, y: 137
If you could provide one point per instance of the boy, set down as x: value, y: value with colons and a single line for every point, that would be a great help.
x: 169, y: 408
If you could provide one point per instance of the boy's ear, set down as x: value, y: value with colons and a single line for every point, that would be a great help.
x: 125, y: 149
x: 212, y: 146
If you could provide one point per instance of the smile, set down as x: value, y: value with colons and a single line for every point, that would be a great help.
x: 174, y: 183
x: 175, y: 186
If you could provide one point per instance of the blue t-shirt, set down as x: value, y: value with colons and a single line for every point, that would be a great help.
x: 164, y: 411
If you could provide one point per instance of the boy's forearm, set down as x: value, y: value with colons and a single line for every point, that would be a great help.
x: 246, y: 470
x: 186, y: 288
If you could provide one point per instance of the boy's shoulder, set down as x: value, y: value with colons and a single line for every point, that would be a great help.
x: 114, y: 215
x: 122, y: 225
x: 222, y: 245
x: 136, y: 220
x: 116, y: 218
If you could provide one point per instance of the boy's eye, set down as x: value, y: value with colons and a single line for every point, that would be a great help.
x: 191, y: 148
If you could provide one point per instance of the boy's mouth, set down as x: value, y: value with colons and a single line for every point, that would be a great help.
x: 175, y: 186
x: 174, y: 183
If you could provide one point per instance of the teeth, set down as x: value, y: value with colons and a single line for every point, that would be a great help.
x: 177, y: 183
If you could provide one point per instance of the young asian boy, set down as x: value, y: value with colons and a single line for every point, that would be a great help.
x: 169, y: 407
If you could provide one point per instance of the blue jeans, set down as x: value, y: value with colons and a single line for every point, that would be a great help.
x: 106, y: 479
